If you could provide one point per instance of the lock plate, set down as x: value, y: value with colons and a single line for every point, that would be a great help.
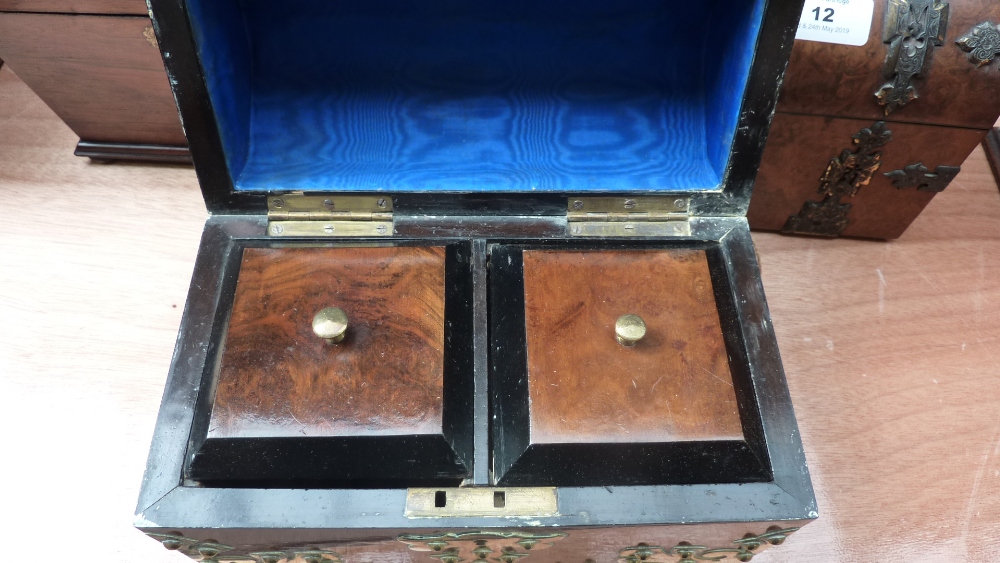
x: 481, y: 501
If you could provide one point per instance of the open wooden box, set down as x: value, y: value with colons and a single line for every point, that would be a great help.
x: 485, y: 195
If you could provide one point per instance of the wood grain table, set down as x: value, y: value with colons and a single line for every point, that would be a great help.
x: 892, y: 352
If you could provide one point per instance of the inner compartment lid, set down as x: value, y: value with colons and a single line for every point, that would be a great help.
x: 475, y: 97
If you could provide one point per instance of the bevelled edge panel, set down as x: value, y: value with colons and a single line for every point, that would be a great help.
x: 574, y: 407
x: 494, y: 96
x: 388, y: 404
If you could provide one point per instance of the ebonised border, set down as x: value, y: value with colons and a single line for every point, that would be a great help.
x: 734, y: 337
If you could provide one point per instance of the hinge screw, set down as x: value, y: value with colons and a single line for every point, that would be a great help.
x: 629, y: 204
x: 381, y: 202
x: 328, y: 203
x: 328, y: 229
x: 278, y: 203
x: 380, y: 229
x: 680, y: 203
x: 578, y: 205
x: 577, y: 229
x: 276, y: 229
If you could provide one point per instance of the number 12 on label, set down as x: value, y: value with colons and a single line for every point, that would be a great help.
x: 846, y: 22
x: 827, y: 14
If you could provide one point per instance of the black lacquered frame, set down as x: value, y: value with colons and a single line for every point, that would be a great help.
x: 168, y: 503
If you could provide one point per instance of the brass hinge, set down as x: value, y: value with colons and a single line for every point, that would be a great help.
x: 629, y: 216
x: 324, y: 215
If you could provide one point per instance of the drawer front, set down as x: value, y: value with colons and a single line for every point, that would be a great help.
x: 842, y: 80
x: 118, y: 7
x: 102, y: 75
x: 801, y: 148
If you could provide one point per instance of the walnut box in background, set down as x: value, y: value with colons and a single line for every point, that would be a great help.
x: 864, y: 136
x: 97, y: 65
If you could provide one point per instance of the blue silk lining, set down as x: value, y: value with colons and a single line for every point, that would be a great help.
x: 471, y: 96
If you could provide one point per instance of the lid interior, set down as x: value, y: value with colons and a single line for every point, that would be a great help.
x: 485, y: 96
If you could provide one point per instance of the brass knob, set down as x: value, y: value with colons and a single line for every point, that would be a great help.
x: 330, y: 324
x: 629, y: 329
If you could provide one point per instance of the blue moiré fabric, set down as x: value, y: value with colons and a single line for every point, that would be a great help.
x: 224, y: 50
x: 730, y: 41
x: 469, y: 96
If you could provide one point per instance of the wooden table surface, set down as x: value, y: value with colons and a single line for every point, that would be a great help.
x: 892, y: 352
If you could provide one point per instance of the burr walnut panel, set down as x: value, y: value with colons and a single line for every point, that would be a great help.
x: 574, y: 407
x: 585, y: 387
x: 841, y: 80
x: 800, y: 147
x: 278, y: 379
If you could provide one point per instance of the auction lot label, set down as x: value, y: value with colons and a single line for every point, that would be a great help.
x: 847, y: 22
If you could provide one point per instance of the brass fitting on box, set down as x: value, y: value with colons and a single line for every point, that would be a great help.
x: 629, y: 329
x: 330, y: 324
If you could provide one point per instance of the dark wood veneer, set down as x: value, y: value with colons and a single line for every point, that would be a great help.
x: 277, y: 378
